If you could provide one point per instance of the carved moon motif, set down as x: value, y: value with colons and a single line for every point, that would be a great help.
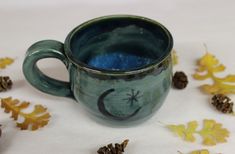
x: 103, y: 110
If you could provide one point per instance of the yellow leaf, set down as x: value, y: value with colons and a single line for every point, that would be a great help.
x: 13, y: 106
x: 201, y: 77
x: 213, y: 133
x: 218, y: 68
x: 39, y: 117
x: 5, y: 61
x: 203, y: 151
x: 174, y: 58
x: 209, y: 65
x: 210, y: 89
x: 183, y: 132
x: 229, y: 78
x: 208, y: 60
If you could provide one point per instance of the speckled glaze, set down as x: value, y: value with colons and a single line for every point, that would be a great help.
x: 120, y: 97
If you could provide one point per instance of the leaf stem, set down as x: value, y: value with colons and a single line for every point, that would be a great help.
x: 205, y: 46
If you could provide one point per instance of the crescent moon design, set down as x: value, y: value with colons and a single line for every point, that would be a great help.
x: 104, y: 111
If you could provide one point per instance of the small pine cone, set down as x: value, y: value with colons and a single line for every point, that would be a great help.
x: 180, y: 80
x: 222, y: 103
x: 103, y: 150
x: 110, y: 149
x: 5, y: 83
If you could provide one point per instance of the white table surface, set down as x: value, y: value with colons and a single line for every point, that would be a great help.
x: 71, y: 130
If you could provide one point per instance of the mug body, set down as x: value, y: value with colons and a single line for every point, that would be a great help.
x: 125, y: 99
x: 125, y: 91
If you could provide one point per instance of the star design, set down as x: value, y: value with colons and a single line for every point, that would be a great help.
x: 132, y: 97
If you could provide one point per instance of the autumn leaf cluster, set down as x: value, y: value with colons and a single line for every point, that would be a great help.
x: 211, y: 133
x: 39, y: 117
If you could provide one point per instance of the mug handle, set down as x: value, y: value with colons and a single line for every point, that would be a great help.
x: 41, y: 50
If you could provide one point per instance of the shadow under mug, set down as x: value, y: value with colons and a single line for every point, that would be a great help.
x: 119, y: 66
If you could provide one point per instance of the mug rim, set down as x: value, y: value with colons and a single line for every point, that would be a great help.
x: 88, y: 68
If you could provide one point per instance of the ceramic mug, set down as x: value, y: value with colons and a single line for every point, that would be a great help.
x: 119, y: 66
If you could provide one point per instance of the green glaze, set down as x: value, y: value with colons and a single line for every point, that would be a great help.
x: 118, y: 96
x: 40, y: 50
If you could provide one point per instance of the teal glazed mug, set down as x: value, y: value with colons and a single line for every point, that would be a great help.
x: 119, y: 66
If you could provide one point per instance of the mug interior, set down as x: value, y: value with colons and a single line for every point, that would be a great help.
x: 119, y: 43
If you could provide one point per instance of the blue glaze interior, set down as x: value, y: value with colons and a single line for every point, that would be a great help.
x: 118, y: 61
x: 119, y: 44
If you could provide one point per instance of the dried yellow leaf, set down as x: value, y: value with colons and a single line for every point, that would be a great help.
x: 213, y: 133
x: 203, y: 151
x: 174, y: 58
x: 39, y: 117
x: 5, y: 61
x: 183, y: 132
x: 209, y: 65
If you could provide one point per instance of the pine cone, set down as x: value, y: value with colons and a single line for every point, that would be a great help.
x: 110, y: 149
x: 5, y: 83
x: 222, y: 103
x: 180, y: 80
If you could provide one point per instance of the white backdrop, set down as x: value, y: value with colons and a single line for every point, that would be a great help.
x: 71, y: 130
